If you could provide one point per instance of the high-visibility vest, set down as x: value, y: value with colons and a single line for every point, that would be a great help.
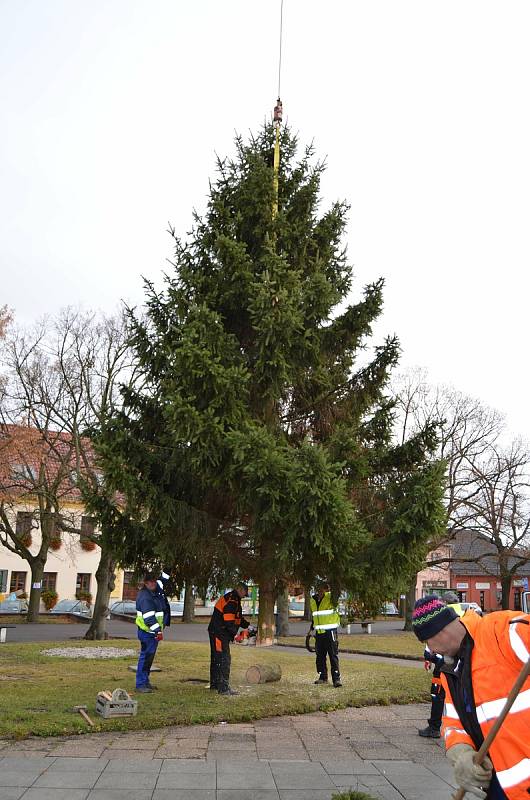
x: 149, y: 617
x: 501, y: 647
x: 457, y: 607
x: 325, y: 615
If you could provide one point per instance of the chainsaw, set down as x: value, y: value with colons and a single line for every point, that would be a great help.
x: 246, y: 637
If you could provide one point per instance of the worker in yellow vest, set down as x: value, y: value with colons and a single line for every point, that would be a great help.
x: 325, y: 620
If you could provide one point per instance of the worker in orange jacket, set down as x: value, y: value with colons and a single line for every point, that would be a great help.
x: 226, y: 620
x: 482, y: 658
x: 435, y: 660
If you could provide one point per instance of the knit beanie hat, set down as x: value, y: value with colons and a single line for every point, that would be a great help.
x: 430, y: 616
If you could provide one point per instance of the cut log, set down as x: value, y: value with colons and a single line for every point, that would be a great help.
x: 264, y: 673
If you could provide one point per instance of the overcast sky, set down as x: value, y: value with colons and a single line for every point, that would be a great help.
x: 112, y: 111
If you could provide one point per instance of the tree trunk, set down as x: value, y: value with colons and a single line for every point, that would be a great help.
x: 506, y: 585
x: 188, y: 612
x: 307, y: 605
x: 283, y: 612
x: 409, y: 604
x: 37, y: 570
x: 105, y: 578
x: 266, y: 627
x: 263, y: 673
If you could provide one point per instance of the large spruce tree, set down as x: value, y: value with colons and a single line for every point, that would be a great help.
x: 262, y: 413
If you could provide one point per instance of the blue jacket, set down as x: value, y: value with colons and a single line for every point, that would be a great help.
x: 148, y: 602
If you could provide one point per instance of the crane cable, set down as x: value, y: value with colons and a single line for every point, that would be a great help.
x: 278, y: 112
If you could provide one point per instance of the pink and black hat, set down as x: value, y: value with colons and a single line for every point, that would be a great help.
x: 430, y: 616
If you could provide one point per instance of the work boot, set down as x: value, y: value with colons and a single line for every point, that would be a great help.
x: 150, y: 686
x: 229, y: 692
x: 143, y: 689
x: 337, y: 684
x: 321, y: 680
x: 429, y: 733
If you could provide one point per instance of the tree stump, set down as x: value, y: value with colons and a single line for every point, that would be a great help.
x: 264, y: 673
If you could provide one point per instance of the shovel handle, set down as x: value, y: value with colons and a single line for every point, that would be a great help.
x: 85, y: 716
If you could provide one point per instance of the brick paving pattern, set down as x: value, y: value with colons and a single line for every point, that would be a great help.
x: 310, y: 757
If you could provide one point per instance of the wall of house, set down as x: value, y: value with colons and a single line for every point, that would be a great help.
x: 437, y: 576
x: 67, y: 562
x: 486, y: 591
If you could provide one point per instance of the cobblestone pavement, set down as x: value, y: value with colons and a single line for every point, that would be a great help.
x: 310, y: 757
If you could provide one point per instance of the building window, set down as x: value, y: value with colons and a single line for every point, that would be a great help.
x: 82, y: 583
x: 86, y: 539
x: 23, y: 472
x: 24, y: 523
x: 517, y: 600
x: 88, y: 525
x: 462, y: 596
x: 18, y: 582
x: 130, y: 586
x: 49, y: 581
x: 3, y: 580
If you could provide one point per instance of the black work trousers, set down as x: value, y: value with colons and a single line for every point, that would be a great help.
x: 437, y: 706
x: 327, y: 644
x: 219, y: 662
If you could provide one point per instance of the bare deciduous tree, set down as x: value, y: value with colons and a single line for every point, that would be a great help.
x: 62, y: 384
x: 466, y: 429
x: 499, y: 510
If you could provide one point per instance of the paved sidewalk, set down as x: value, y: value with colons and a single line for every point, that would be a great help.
x: 308, y: 757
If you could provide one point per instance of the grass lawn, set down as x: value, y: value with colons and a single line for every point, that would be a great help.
x: 397, y: 644
x: 38, y: 692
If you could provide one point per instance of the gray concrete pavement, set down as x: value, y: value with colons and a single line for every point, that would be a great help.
x: 309, y: 757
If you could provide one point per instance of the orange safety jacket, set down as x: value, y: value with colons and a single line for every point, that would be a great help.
x: 501, y: 645
x: 227, y: 616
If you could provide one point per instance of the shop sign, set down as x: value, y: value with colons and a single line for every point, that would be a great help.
x: 482, y: 586
x: 462, y: 585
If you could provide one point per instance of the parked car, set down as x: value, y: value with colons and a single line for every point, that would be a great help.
x: 390, y: 610
x: 471, y: 607
x: 14, y: 606
x: 176, y: 608
x: 123, y: 607
x: 72, y: 607
x: 296, y: 608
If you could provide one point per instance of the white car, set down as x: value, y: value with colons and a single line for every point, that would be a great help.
x: 14, y: 606
x: 72, y: 607
x: 127, y: 607
x: 471, y: 607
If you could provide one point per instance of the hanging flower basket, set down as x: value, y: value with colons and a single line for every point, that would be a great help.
x: 55, y: 544
x: 49, y: 597
x: 83, y: 595
x: 88, y: 545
